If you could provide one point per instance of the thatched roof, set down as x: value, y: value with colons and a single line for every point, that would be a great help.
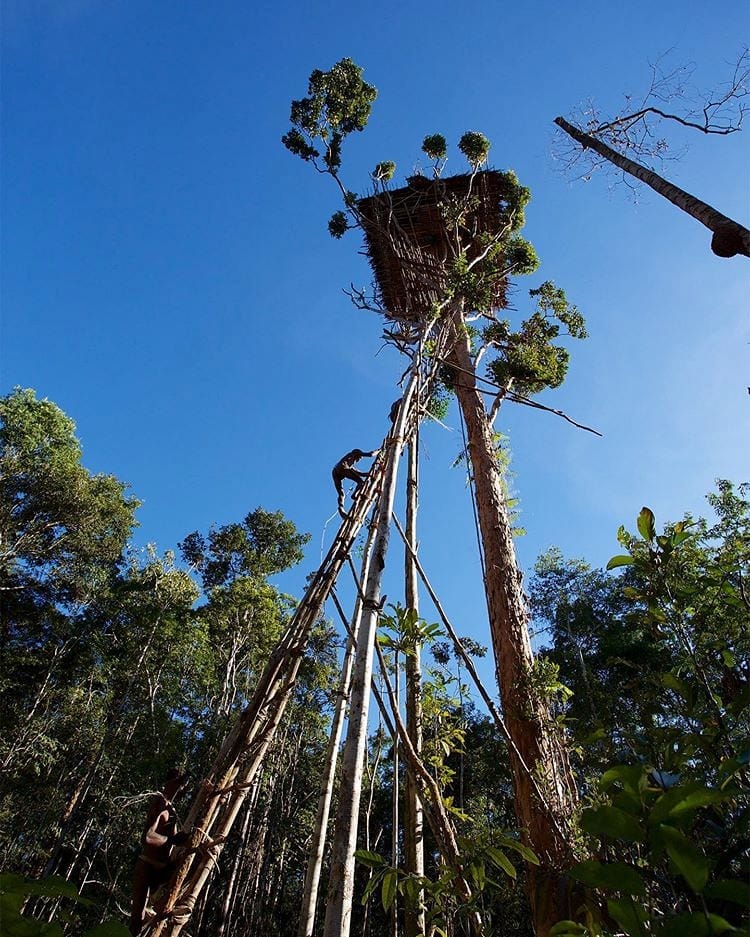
x: 407, y: 241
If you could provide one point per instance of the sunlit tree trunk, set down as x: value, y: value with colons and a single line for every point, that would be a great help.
x: 395, y: 793
x: 370, y: 841
x: 414, y: 922
x: 729, y: 237
x: 536, y: 747
x: 341, y: 886
x: 440, y: 822
x: 317, y: 850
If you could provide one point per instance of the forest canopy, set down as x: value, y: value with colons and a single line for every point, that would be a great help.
x: 117, y: 665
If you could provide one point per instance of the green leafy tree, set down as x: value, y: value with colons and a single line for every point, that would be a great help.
x: 264, y: 544
x: 111, y: 675
x: 668, y: 813
x: 633, y: 141
x: 63, y: 531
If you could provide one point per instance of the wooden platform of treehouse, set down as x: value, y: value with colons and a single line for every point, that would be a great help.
x: 409, y: 236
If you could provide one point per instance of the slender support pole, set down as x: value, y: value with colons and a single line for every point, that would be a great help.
x: 414, y: 921
x: 341, y: 887
x: 315, y: 860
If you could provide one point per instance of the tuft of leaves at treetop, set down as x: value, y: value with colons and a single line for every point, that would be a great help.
x: 434, y: 146
x: 338, y: 102
x: 384, y: 171
x: 475, y: 147
x: 338, y: 224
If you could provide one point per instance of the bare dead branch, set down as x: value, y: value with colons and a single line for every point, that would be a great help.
x: 637, y: 128
x: 519, y: 398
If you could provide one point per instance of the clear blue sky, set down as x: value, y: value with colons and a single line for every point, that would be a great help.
x: 168, y: 280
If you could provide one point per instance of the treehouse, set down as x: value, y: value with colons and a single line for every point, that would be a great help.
x: 415, y: 233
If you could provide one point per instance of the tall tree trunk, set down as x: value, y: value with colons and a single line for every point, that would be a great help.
x: 317, y: 850
x: 537, y: 746
x: 230, y: 892
x: 729, y: 237
x: 395, y: 793
x: 414, y: 922
x: 341, y: 886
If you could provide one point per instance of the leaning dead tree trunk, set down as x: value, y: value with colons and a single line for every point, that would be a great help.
x: 414, y: 921
x: 341, y: 886
x: 729, y: 237
x: 537, y: 748
x: 317, y: 850
x: 220, y: 798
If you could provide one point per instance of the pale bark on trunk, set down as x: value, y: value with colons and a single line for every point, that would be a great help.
x: 317, y: 850
x: 537, y: 746
x: 414, y: 921
x: 729, y: 237
x: 437, y: 816
x: 341, y: 885
x: 395, y: 794
x: 217, y: 804
x: 370, y: 846
x: 229, y: 894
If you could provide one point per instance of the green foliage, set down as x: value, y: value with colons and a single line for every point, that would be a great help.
x: 668, y: 826
x: 264, y: 544
x: 62, y: 529
x: 520, y: 256
x: 109, y: 674
x: 62, y: 536
x: 442, y: 899
x: 475, y: 147
x: 663, y: 679
x: 553, y: 303
x: 443, y: 723
x: 434, y: 146
x: 514, y: 198
x: 480, y: 262
x: 403, y: 629
x: 15, y: 890
x: 384, y: 172
x: 296, y: 143
x: 338, y: 103
x: 438, y: 404
x: 528, y: 360
x: 338, y: 224
x: 477, y: 284
x: 545, y: 683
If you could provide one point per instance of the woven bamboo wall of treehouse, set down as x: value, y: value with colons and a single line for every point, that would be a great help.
x: 408, y: 243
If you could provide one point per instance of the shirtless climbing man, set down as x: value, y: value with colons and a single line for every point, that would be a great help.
x: 155, y: 863
x: 344, y: 468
